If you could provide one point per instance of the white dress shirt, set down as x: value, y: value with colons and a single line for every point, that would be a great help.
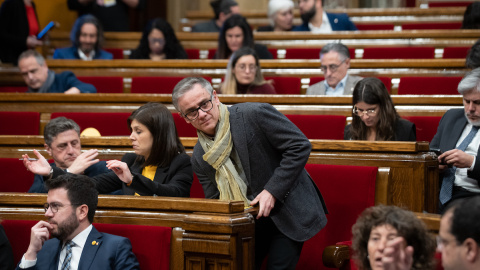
x: 324, y: 28
x: 461, y: 178
x: 338, y: 90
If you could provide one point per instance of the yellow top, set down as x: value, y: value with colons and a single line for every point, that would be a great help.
x: 148, y: 172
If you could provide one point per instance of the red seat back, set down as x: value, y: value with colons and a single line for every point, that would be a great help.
x: 108, y: 124
x: 322, y: 127
x: 156, y: 85
x: 19, y: 123
x: 399, y: 53
x: 431, y: 26
x: 211, y: 53
x: 104, y: 84
x: 314, y: 80
x: 375, y: 26
x: 196, y: 191
x: 286, y: 85
x: 426, y: 126
x: 455, y: 52
x: 15, y: 178
x: 387, y: 81
x: 184, y: 129
x: 346, y: 195
x: 274, y: 52
x: 428, y: 85
x: 116, y: 52
x: 193, y: 53
x: 308, y: 53
x: 13, y: 89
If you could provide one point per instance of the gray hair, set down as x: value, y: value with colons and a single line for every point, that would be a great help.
x: 275, y: 6
x: 57, y: 126
x: 186, y: 85
x: 471, y: 81
x: 32, y: 53
x: 341, y: 49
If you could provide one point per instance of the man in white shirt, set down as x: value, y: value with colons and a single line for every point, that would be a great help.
x: 458, y: 140
x: 335, y: 62
x: 76, y: 244
x: 316, y: 20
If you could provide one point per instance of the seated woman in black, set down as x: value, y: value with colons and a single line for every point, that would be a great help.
x: 159, y: 166
x: 235, y: 34
x: 159, y: 42
x: 375, y: 117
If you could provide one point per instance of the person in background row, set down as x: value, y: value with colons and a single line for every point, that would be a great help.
x: 6, y: 252
x: 159, y: 42
x: 374, y: 115
x: 18, y: 29
x: 280, y: 14
x: 382, y: 230
x: 473, y: 57
x: 223, y: 9
x: 316, y: 20
x: 244, y: 75
x: 113, y: 15
x: 159, y: 166
x: 40, y: 79
x: 471, y: 17
x: 235, y: 34
x: 87, y: 39
x: 335, y: 62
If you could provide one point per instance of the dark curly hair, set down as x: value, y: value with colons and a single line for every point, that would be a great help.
x: 407, y: 225
x: 172, y: 49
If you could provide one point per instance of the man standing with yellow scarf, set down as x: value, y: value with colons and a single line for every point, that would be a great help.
x: 251, y: 152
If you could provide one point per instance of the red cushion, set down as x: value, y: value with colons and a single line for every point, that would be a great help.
x: 308, y: 53
x: 15, y: 177
x: 151, y: 244
x: 117, y: 53
x: 399, y: 53
x: 274, y: 52
x: 196, y: 191
x: 19, y: 123
x: 286, y: 85
x: 325, y: 127
x: 18, y: 234
x: 211, y: 53
x: 156, y: 85
x: 431, y: 26
x: 347, y: 191
x: 184, y: 129
x: 314, y: 80
x: 387, y: 81
x: 13, y: 89
x: 375, y: 26
x: 426, y: 126
x: 193, y: 53
x: 105, y: 84
x: 428, y: 85
x: 455, y: 52
x: 108, y: 124
x: 449, y: 4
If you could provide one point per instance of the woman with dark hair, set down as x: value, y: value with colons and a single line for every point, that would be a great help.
x: 235, y: 34
x: 375, y: 117
x: 381, y: 226
x: 159, y: 166
x: 471, y: 17
x: 159, y: 42
x: 244, y: 75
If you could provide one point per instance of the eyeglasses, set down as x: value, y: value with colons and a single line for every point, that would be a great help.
x: 206, y: 106
x: 332, y: 67
x: 243, y: 67
x: 54, y: 206
x: 360, y: 113
x: 161, y: 41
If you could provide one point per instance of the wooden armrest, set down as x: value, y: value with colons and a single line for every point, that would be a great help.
x: 334, y: 256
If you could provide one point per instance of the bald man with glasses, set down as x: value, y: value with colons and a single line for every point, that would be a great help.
x: 335, y: 62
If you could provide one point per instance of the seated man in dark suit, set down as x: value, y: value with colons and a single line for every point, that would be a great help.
x: 71, y: 204
x: 62, y: 142
x: 316, y: 20
x: 458, y: 139
x: 251, y: 152
x: 40, y: 79
x: 87, y: 39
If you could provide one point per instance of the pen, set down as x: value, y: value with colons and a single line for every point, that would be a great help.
x: 32, y: 159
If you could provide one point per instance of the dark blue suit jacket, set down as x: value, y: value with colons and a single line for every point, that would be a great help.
x: 338, y: 21
x: 112, y: 252
x: 72, y: 53
x: 66, y: 80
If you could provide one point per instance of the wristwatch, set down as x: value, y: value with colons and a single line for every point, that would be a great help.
x: 66, y: 170
x: 51, y: 173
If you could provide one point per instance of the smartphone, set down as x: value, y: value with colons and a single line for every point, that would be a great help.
x: 49, y: 26
x: 438, y: 152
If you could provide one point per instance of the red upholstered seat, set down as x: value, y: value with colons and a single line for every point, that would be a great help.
x: 375, y: 26
x: 13, y: 89
x: 426, y: 126
x: 386, y: 80
x: 455, y: 52
x: 150, y: 254
x: 274, y: 52
x: 193, y: 53
x: 108, y: 124
x: 325, y: 127
x: 428, y: 85
x: 211, y: 53
x: 184, y: 129
x: 314, y: 80
x: 15, y: 178
x: 399, y: 53
x: 117, y: 53
x: 156, y: 85
x: 449, y: 4
x: 308, y: 53
x: 286, y: 85
x: 105, y: 84
x: 431, y: 26
x: 19, y: 123
x: 196, y: 190
x: 347, y: 191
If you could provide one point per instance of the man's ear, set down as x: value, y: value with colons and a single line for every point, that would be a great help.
x: 48, y: 149
x: 472, y: 250
x: 82, y: 212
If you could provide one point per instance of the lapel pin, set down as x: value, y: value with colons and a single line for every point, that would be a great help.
x: 94, y: 243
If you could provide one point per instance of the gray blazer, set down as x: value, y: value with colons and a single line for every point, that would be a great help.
x: 319, y: 88
x: 273, y: 152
